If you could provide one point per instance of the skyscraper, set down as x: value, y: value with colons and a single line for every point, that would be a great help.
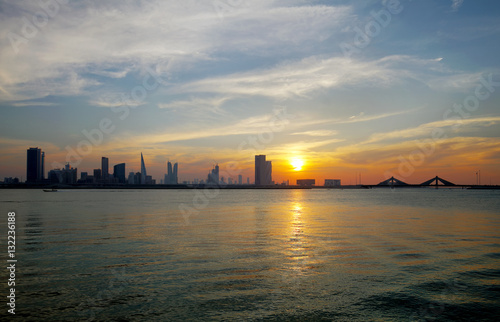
x: 169, y: 173
x: 171, y: 176
x: 213, y: 176
x: 97, y: 175
x: 268, y: 174
x: 119, y: 172
x: 105, y: 168
x: 34, y: 165
x: 263, y: 170
x: 174, y: 175
x: 42, y: 174
x: 143, y: 171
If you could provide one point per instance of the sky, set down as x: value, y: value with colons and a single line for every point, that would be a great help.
x: 351, y: 89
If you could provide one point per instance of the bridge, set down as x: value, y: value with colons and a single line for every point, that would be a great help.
x: 434, y: 182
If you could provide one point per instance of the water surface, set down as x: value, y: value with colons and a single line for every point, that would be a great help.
x: 343, y: 255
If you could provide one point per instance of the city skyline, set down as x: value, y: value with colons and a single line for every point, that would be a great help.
x: 231, y: 175
x: 409, y: 89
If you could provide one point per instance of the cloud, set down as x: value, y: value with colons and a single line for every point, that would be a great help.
x: 317, y: 133
x: 22, y: 104
x: 426, y: 130
x: 106, y: 102
x: 456, y: 4
x: 112, y: 39
x: 301, y: 78
x: 198, y: 104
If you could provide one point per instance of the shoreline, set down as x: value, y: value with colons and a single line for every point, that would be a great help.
x: 232, y: 186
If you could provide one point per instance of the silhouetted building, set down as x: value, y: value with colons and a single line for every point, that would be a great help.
x: 130, y: 178
x: 119, y: 172
x: 67, y: 175
x: 138, y: 178
x: 10, y: 180
x: 306, y: 182
x: 171, y: 176
x: 263, y: 171
x: 97, y: 175
x: 213, y: 176
x: 104, y: 168
x: 240, y: 179
x: 149, y: 180
x: 83, y: 176
x: 332, y: 182
x: 34, y: 165
x: 42, y: 172
x: 144, y: 173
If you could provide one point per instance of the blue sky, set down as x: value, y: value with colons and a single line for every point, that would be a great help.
x: 193, y: 81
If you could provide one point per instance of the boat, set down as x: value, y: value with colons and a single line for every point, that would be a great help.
x: 50, y: 190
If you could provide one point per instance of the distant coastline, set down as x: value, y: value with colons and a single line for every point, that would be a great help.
x: 229, y: 186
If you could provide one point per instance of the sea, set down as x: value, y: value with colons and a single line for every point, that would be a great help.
x: 253, y: 255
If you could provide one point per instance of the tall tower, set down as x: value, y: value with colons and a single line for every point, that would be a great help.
x: 263, y: 171
x: 143, y: 171
x: 174, y: 174
x: 216, y: 173
x: 260, y: 166
x: 168, y: 177
x: 105, y: 168
x: 34, y: 172
x: 268, y: 174
x: 42, y: 174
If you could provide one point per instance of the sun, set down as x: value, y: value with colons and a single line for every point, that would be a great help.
x: 297, y: 164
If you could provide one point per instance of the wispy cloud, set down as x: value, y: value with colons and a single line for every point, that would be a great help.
x: 303, y: 77
x: 210, y: 104
x: 113, y: 39
x: 22, y: 104
x: 456, y: 4
x: 317, y: 133
x: 425, y: 130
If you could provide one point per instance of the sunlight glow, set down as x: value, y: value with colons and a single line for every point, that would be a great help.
x: 297, y: 164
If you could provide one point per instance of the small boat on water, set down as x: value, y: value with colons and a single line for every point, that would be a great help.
x: 50, y: 190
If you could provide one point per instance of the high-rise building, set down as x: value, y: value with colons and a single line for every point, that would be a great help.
x: 131, y: 178
x: 240, y: 179
x: 34, y: 165
x: 144, y: 174
x: 42, y: 174
x: 169, y: 172
x: 104, y: 168
x: 97, y: 175
x: 213, y: 176
x: 138, y: 178
x: 119, y: 172
x: 171, y: 176
x: 263, y: 171
x: 67, y: 175
x: 268, y: 174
